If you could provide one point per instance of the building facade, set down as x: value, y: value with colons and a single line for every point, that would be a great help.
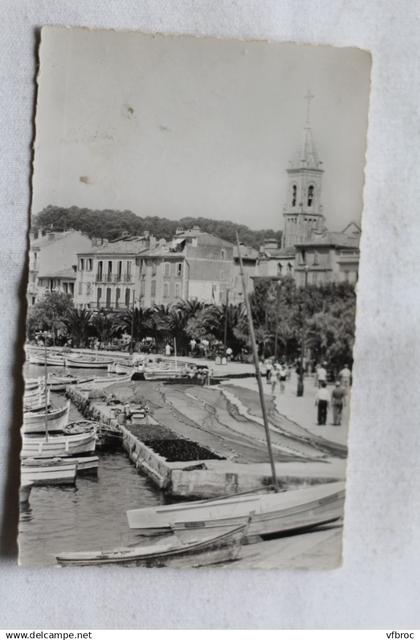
x: 106, y: 275
x: 52, y: 258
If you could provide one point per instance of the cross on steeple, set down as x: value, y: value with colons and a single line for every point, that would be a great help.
x: 308, y: 97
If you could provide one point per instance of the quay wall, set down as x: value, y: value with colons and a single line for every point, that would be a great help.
x: 142, y: 456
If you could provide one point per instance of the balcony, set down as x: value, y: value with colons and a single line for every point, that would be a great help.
x: 103, y: 277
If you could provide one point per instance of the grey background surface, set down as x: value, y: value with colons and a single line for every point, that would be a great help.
x: 378, y: 585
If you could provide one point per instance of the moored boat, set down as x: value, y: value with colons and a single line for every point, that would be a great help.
x: 68, y: 443
x: 51, y: 359
x: 59, y: 383
x: 197, y: 552
x: 37, y: 402
x: 48, y: 471
x: 55, y: 419
x: 31, y: 384
x: 87, y: 363
x: 274, y: 513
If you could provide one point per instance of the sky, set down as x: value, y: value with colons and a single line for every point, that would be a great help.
x: 180, y: 126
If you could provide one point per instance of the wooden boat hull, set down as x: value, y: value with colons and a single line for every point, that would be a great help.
x: 48, y: 472
x: 274, y: 513
x: 201, y: 552
x: 61, y: 445
x: 57, y: 419
x: 163, y: 374
x: 87, y: 364
x: 31, y: 384
x: 52, y: 361
x: 36, y: 403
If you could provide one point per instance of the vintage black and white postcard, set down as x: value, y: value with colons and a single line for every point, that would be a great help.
x: 194, y: 254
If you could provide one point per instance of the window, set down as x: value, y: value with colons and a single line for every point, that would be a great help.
x: 117, y: 297
x: 71, y: 288
x: 89, y: 264
x: 119, y: 270
x: 223, y: 254
x: 177, y: 290
x: 99, y: 295
x: 153, y: 289
x: 129, y: 269
x: 166, y: 290
x: 294, y: 195
x: 154, y: 268
x: 166, y: 269
x: 88, y: 288
x: 33, y: 299
x: 109, y: 267
x: 279, y: 268
x: 80, y: 288
x: 179, y: 269
x: 81, y: 264
x: 310, y: 195
x: 99, y: 274
x: 316, y: 258
x: 108, y: 297
x: 127, y: 297
x: 142, y: 288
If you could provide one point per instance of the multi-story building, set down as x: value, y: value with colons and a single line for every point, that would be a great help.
x: 52, y: 256
x: 195, y: 265
x: 107, y: 273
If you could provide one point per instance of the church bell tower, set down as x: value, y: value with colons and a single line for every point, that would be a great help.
x: 303, y: 210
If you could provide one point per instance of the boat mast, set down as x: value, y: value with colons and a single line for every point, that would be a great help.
x: 257, y: 366
x: 46, y: 387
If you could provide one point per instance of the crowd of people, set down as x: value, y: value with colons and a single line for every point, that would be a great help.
x: 279, y: 373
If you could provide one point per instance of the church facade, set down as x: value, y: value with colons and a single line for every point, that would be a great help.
x: 309, y: 251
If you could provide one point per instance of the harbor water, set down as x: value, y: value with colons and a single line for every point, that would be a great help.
x: 89, y: 515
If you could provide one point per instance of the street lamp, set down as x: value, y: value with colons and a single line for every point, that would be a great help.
x: 226, y: 319
x: 300, y: 385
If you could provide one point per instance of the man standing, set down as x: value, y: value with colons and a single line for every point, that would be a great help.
x: 322, y: 402
x: 229, y: 354
x: 337, y: 402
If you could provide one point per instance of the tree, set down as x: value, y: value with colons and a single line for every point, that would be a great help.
x: 48, y: 314
x: 137, y: 322
x: 78, y: 322
x: 105, y: 325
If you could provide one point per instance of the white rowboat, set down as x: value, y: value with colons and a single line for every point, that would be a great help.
x: 58, y: 445
x: 48, y: 471
x: 199, y: 552
x: 57, y: 419
x: 87, y: 363
x: 273, y: 512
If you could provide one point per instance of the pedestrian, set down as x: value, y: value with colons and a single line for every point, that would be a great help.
x: 268, y: 369
x: 282, y: 375
x: 338, y: 396
x: 274, y: 380
x: 322, y: 402
x: 229, y: 354
x: 193, y: 344
x: 168, y: 350
x: 345, y: 376
x: 321, y: 374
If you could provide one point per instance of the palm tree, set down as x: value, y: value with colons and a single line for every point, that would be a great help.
x: 105, y: 325
x: 137, y: 322
x: 78, y: 322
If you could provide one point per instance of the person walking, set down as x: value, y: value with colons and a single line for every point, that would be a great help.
x: 322, y: 401
x: 282, y: 375
x: 338, y: 397
x: 268, y: 369
x: 168, y: 350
